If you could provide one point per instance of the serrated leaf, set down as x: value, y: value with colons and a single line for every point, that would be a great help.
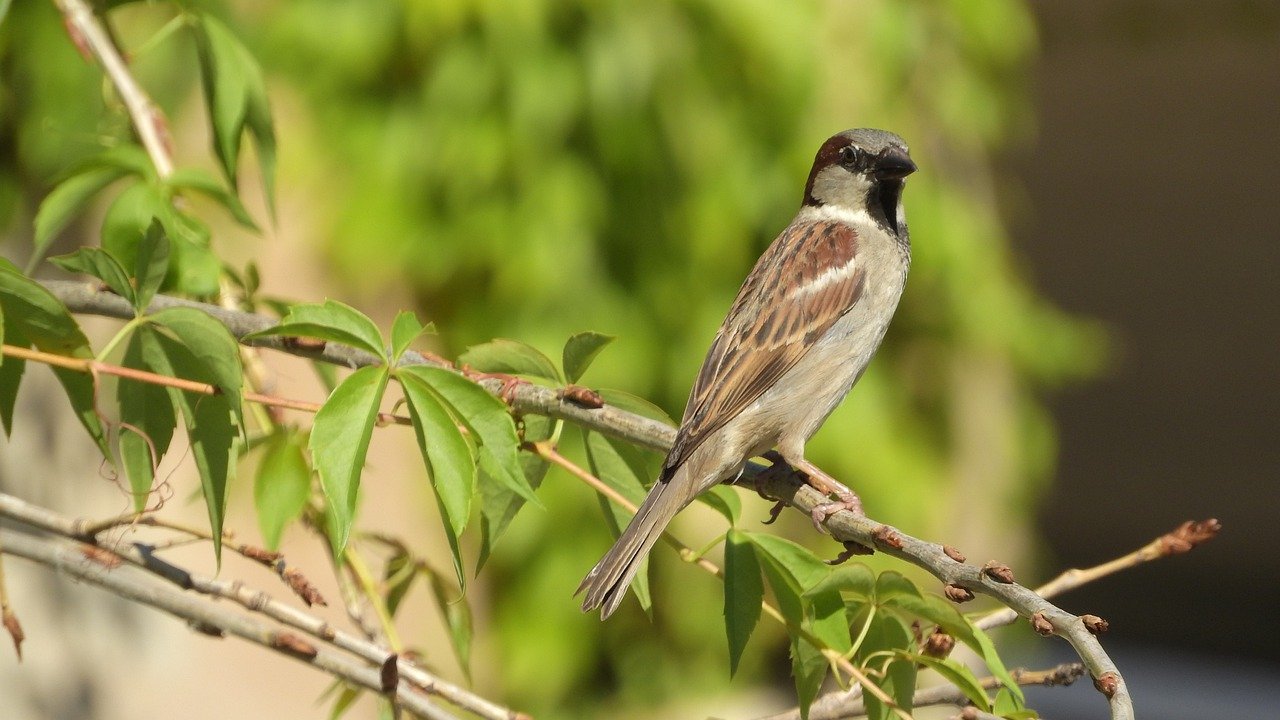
x: 509, y: 356
x: 827, y: 620
x: 624, y: 400
x: 724, y: 500
x: 498, y: 505
x: 809, y: 669
x: 404, y: 331
x: 202, y: 182
x: 488, y: 420
x: 331, y: 321
x: 151, y: 266
x: 803, y: 566
x: 851, y: 578
x: 212, y: 421
x: 887, y: 635
x: 211, y: 342
x: 580, y: 350
x: 128, y: 218
x: 958, y: 675
x: 624, y: 468
x: 743, y: 593
x: 40, y: 319
x: 225, y: 89
x: 64, y: 202
x: 448, y: 458
x: 457, y: 616
x: 147, y: 423
x: 10, y: 371
x: 339, y: 442
x: 282, y: 485
x: 99, y: 264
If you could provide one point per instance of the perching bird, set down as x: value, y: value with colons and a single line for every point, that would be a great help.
x: 800, y: 333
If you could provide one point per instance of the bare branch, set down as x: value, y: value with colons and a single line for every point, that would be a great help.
x: 108, y: 555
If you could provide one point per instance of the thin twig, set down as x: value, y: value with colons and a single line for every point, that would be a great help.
x: 141, y: 556
x: 90, y: 366
x: 147, y: 118
x: 210, y: 617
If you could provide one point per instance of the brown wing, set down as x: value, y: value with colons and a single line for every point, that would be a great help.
x: 803, y: 284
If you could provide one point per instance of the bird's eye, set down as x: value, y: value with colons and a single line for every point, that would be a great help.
x: 848, y: 156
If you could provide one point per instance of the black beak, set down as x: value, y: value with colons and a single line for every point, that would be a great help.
x: 893, y: 164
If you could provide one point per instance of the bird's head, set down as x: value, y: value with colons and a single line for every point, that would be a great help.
x: 861, y: 169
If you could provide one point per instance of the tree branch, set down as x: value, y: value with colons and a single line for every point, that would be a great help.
x: 107, y: 555
x: 961, y: 579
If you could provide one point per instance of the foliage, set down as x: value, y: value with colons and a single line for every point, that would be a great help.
x: 527, y: 170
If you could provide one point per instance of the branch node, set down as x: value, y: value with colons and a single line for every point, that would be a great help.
x: 1107, y: 684
x: 15, y: 631
x: 999, y: 572
x: 389, y: 675
x: 957, y: 594
x: 886, y: 536
x: 1041, y: 624
x: 582, y: 396
x: 1188, y: 535
x: 293, y: 644
x: 938, y: 645
x: 1095, y: 624
x: 951, y: 552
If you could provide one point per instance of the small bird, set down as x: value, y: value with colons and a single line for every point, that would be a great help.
x: 800, y: 333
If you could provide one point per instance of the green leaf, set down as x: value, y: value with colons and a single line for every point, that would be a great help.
x: 282, y: 486
x: 828, y: 621
x: 344, y: 701
x: 958, y: 675
x: 809, y: 669
x: 887, y: 635
x: 211, y: 342
x: 339, y: 442
x: 404, y: 331
x: 213, y: 421
x: 1007, y: 702
x: 331, y: 321
x: 624, y: 468
x: 891, y: 585
x: 64, y: 202
x: 499, y: 505
x: 128, y: 219
x: 580, y: 350
x: 457, y: 616
x: 398, y: 577
x: 724, y: 500
x: 743, y: 593
x: 850, y: 578
x: 488, y: 420
x: 37, y: 316
x: 10, y: 371
x: 624, y: 400
x: 448, y: 457
x: 151, y: 265
x: 99, y: 263
x: 803, y: 566
x: 202, y: 182
x: 509, y: 356
x: 147, y: 423
x: 236, y: 96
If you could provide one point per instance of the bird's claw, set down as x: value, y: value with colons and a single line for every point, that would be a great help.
x: 844, y: 501
x: 775, y: 511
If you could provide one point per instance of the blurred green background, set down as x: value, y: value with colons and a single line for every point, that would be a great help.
x: 532, y: 169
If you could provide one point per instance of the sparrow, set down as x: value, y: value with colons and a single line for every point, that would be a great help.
x: 800, y: 333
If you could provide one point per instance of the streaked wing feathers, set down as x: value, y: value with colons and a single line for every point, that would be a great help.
x: 806, y: 281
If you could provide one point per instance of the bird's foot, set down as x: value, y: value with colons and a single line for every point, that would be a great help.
x: 844, y: 501
x: 775, y: 511
x: 851, y: 549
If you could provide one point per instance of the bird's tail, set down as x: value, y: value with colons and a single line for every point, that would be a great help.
x: 608, y: 581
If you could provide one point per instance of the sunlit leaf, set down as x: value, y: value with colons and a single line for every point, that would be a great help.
x: 339, y: 442
x: 580, y: 350
x: 886, y: 635
x: 959, y: 675
x: 404, y: 331
x: 282, y: 485
x: 147, y: 423
x: 509, y: 356
x: 743, y: 593
x: 499, y: 505
x: 803, y: 566
x: 447, y: 455
x: 330, y: 321
x: 37, y: 316
x: 212, y: 421
x: 724, y: 500
x: 457, y: 616
x: 99, y: 264
x: 151, y: 265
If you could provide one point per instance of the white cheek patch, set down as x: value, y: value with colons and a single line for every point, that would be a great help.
x: 857, y: 217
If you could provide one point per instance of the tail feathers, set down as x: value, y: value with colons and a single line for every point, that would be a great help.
x: 606, y: 585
